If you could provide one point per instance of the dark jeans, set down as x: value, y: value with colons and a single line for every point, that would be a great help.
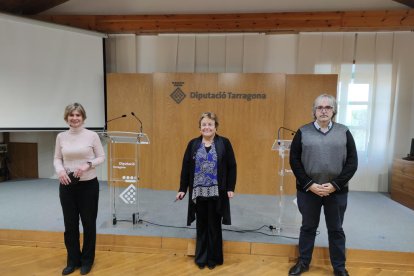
x: 334, y: 207
x: 209, y: 245
x: 80, y: 200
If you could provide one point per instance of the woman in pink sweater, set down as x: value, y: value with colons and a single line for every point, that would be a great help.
x: 78, y: 151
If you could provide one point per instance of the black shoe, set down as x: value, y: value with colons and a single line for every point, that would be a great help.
x: 85, y: 269
x: 211, y: 266
x: 201, y: 266
x: 298, y: 268
x: 341, y: 273
x: 68, y: 270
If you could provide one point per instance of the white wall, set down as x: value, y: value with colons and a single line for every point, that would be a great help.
x: 45, y: 152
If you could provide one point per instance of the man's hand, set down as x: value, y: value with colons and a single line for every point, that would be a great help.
x: 319, y: 189
x: 328, y: 187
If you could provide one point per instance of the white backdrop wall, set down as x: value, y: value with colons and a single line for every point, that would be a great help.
x: 383, y: 60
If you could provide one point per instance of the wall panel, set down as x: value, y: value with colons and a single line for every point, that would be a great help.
x: 251, y: 125
x: 301, y: 91
x: 128, y: 93
x: 175, y: 124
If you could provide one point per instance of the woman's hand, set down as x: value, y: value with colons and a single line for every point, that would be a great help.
x: 180, y: 196
x: 230, y: 194
x: 64, y: 178
x: 79, y: 171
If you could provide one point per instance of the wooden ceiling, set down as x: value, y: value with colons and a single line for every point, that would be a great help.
x: 400, y: 20
x: 284, y: 22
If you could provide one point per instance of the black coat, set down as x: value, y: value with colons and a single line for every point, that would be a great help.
x: 226, y: 175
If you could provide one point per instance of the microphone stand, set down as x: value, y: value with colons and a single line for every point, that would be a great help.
x: 133, y: 114
x: 113, y: 119
x: 278, y: 133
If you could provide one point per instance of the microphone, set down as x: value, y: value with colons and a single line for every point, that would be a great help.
x: 140, y: 129
x: 113, y: 119
x: 278, y: 133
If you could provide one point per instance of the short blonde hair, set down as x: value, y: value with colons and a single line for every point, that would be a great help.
x: 74, y: 107
x: 211, y: 116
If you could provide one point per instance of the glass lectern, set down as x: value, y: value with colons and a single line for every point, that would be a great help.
x: 124, y: 164
x: 288, y: 217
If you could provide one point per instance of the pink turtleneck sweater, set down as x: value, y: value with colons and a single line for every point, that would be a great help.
x: 74, y: 148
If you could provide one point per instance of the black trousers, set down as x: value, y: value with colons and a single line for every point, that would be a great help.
x: 209, y: 245
x: 334, y: 207
x: 80, y: 200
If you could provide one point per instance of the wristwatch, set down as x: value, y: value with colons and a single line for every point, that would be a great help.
x: 89, y: 163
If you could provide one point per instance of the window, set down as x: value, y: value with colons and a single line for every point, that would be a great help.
x: 354, y: 104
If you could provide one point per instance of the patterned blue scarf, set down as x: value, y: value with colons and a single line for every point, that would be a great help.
x: 205, y: 173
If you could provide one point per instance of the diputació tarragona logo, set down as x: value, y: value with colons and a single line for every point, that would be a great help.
x: 178, y: 95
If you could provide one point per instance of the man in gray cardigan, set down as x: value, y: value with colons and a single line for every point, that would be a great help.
x: 323, y: 158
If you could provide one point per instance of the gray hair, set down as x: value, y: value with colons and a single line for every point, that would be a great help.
x: 332, y: 102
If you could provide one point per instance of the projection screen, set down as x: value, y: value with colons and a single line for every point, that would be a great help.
x: 43, y: 68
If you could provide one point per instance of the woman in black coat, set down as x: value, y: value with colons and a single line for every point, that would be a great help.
x: 209, y: 174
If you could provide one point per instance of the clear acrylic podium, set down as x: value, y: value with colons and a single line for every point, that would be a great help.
x: 288, y: 217
x: 124, y: 153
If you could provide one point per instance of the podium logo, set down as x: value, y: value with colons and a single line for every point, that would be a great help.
x: 129, y: 195
x: 178, y: 95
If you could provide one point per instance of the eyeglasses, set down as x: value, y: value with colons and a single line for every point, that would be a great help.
x: 326, y: 108
x: 207, y: 124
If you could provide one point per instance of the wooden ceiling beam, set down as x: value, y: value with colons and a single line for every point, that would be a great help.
x: 293, y: 22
